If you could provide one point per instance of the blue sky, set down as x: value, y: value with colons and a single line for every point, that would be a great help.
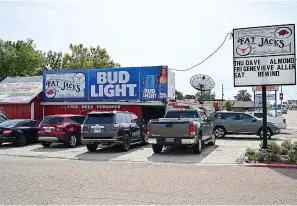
x: 177, y: 33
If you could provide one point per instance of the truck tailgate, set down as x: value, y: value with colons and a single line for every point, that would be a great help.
x: 170, y: 128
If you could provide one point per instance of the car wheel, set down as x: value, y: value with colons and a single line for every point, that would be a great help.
x: 219, y: 132
x: 269, y: 133
x: 92, y: 147
x: 157, y: 148
x: 197, y: 148
x: 46, y: 144
x: 213, y: 140
x: 126, y: 143
x: 72, y: 141
x: 144, y: 139
x: 20, y: 141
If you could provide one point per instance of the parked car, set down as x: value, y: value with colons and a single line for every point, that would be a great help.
x: 2, y: 118
x: 118, y: 128
x: 18, y: 131
x: 240, y: 123
x: 181, y: 127
x: 281, y: 121
x: 62, y: 128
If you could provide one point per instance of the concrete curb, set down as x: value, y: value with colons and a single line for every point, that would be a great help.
x: 285, y: 166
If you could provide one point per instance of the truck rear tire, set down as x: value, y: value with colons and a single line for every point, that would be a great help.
x: 92, y: 147
x: 157, y: 148
x: 197, y: 148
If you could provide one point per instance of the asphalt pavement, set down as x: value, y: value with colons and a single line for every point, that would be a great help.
x: 58, y: 181
x: 59, y: 175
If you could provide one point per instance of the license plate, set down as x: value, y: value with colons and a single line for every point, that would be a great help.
x: 169, y: 139
x: 47, y: 129
x: 97, y: 130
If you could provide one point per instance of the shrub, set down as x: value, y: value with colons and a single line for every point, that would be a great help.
x: 287, y: 144
x: 260, y: 156
x: 292, y: 155
x: 250, y: 153
x: 275, y: 153
x: 274, y: 147
x: 284, y: 151
x: 294, y: 146
x: 271, y: 158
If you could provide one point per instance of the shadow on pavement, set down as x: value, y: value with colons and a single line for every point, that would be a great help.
x: 107, y: 153
x: 6, y: 146
x: 54, y: 148
x: 286, y: 133
x: 252, y: 138
x: 181, y: 155
x: 292, y: 173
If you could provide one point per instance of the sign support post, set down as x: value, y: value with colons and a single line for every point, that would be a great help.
x: 264, y: 105
x: 254, y: 101
x: 282, y: 101
x: 276, y: 107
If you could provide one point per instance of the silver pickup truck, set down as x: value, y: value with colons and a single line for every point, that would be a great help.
x: 181, y: 127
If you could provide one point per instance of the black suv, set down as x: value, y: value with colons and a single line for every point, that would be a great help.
x: 112, y: 128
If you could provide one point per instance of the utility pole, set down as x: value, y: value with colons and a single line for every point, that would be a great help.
x: 222, y: 96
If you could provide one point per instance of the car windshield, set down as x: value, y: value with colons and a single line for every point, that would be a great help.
x: 52, y: 120
x: 107, y: 118
x: 10, y: 123
x: 182, y: 114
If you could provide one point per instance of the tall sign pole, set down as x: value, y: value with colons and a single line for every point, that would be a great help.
x: 264, y: 56
x: 282, y: 100
x: 264, y: 106
x: 254, y: 101
x: 276, y: 107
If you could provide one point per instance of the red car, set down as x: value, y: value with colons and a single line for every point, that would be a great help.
x: 61, y: 128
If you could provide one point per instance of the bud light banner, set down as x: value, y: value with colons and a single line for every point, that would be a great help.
x: 114, y: 84
x: 127, y: 83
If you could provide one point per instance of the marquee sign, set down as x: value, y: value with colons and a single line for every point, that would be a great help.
x: 264, y: 56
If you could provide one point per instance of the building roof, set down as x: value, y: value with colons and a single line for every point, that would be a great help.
x: 20, y: 90
x: 242, y: 104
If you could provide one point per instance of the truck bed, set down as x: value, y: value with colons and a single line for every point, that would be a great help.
x: 166, y: 127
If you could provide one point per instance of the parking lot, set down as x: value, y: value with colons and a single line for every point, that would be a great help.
x: 229, y: 150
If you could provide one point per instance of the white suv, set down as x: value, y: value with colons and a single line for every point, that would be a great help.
x: 281, y: 121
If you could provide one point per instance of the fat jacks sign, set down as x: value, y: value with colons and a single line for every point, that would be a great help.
x: 64, y: 85
x: 264, y: 56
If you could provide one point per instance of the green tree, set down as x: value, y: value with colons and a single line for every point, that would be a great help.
x: 179, y: 95
x: 228, y: 106
x: 20, y: 58
x: 189, y: 96
x: 207, y: 95
x: 82, y: 57
x: 243, y: 95
x: 53, y: 60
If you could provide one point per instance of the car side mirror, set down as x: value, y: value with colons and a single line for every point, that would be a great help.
x: 254, y: 120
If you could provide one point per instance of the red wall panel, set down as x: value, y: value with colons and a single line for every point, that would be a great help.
x: 84, y: 109
x: 17, y: 111
x: 38, y: 108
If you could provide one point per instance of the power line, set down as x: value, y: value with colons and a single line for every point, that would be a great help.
x: 183, y: 70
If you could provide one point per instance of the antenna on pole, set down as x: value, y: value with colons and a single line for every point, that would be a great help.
x: 202, y: 83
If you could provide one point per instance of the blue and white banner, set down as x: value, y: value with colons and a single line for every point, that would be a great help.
x: 127, y: 83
